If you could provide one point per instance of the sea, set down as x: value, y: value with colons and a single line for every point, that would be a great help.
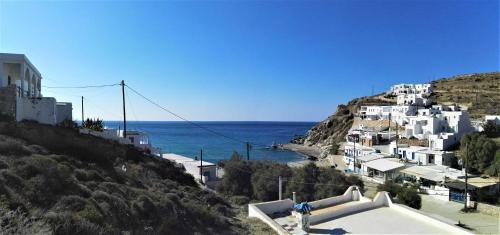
x: 188, y: 140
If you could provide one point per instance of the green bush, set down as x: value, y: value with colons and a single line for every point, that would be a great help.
x: 409, y: 196
x: 392, y: 188
x: 480, y: 152
x: 406, y: 194
x: 237, y: 177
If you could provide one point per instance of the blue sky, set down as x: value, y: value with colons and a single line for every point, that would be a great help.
x: 246, y: 60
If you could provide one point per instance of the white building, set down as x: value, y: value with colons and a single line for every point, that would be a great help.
x: 20, y: 93
x: 400, y: 113
x: 401, y: 89
x: 443, y: 129
x: 411, y: 94
x: 412, y: 99
x: 352, y: 151
x: 192, y: 166
x: 138, y: 139
x: 375, y: 112
x: 422, y: 155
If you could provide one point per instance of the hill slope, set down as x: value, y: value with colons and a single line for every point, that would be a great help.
x: 462, y: 90
x: 54, y: 180
x: 479, y: 92
x: 335, y: 127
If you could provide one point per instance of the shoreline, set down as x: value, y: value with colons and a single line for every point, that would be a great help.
x: 307, y: 151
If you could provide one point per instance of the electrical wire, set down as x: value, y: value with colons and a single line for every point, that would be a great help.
x: 191, y: 122
x: 80, y: 87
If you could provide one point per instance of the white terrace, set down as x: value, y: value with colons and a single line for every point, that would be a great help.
x: 352, y: 213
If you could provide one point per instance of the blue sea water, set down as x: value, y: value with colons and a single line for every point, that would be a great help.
x: 186, y: 139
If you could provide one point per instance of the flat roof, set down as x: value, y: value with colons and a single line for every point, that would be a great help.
x: 383, y: 220
x: 384, y: 165
x: 184, y: 160
x: 424, y: 172
x: 370, y: 157
x: 19, y: 58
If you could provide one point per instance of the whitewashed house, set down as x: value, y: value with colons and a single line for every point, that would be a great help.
x: 352, y: 151
x: 138, y: 139
x: 411, y: 94
x: 20, y: 93
x: 400, y: 89
x: 208, y: 170
x: 422, y: 155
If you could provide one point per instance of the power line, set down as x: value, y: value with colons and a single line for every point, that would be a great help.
x: 80, y: 87
x: 188, y: 121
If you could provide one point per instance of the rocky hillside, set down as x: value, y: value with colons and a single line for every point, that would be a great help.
x: 335, y: 127
x: 480, y: 93
x: 56, y: 181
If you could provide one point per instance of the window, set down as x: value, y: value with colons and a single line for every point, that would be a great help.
x: 413, y: 156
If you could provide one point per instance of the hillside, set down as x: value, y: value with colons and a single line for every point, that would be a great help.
x: 462, y: 90
x: 54, y: 180
x: 335, y: 127
x: 479, y: 92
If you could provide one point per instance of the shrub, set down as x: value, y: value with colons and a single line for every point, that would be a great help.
x: 263, y: 185
x: 19, y: 222
x: 491, y: 129
x: 93, y: 124
x: 406, y: 194
x: 239, y: 200
x: 70, y: 203
x: 409, y: 196
x: 392, y: 188
x: 481, y: 152
x: 91, y: 213
x: 237, y: 177
x: 13, y: 147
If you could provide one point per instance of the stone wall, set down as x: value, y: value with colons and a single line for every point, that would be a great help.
x: 8, y: 102
x: 488, y: 209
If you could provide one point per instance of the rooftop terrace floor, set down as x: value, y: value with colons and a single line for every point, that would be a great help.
x: 382, y: 220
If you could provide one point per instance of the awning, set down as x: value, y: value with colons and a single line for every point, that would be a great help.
x: 384, y: 165
x: 460, y: 185
x: 424, y: 172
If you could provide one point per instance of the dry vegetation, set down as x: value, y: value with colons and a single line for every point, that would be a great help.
x: 54, y: 180
x: 479, y: 92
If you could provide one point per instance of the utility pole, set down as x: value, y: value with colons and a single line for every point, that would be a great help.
x: 124, y: 113
x: 397, y: 137
x: 465, y: 165
x: 201, y: 166
x: 390, y: 120
x: 248, y: 151
x: 83, y: 117
x: 354, y: 152
x: 280, y: 187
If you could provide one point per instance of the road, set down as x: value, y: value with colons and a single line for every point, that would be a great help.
x: 481, y: 223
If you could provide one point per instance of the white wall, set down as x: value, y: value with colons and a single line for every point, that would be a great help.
x: 42, y: 110
x: 261, y: 210
x: 64, y: 111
